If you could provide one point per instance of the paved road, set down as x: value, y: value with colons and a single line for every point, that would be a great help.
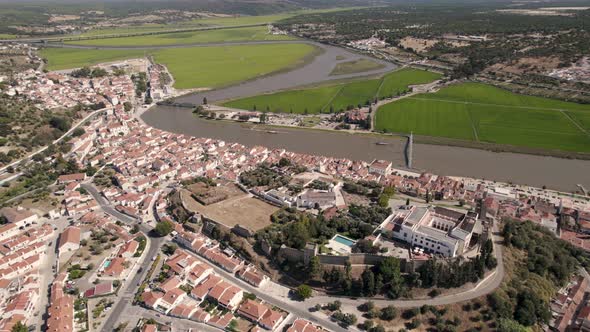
x: 297, y: 308
x: 125, y: 297
x: 46, y: 271
x: 178, y: 324
x: 66, y: 134
x: 300, y: 309
x: 487, y: 286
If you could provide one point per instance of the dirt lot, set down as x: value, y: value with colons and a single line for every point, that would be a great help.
x: 462, y: 316
x: 355, y: 199
x: 529, y: 64
x: 417, y: 44
x: 242, y: 209
x: 214, y: 194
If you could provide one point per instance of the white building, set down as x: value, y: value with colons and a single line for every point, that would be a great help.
x: 380, y: 167
x: 69, y: 240
x: 436, y: 230
x: 313, y: 198
x: 19, y: 216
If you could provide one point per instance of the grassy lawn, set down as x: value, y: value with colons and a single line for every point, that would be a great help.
x: 481, y: 112
x: 221, y: 66
x: 355, y: 66
x: 64, y: 58
x: 295, y: 101
x: 398, y: 81
x: 224, y: 35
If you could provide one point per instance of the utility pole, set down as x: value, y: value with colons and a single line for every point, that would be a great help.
x: 410, y: 150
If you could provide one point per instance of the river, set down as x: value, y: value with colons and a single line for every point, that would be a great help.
x: 555, y: 173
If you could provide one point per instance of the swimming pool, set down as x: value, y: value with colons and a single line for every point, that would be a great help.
x: 344, y: 240
x: 106, y: 264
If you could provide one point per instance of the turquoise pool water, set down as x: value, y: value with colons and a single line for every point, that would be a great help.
x: 106, y: 264
x: 343, y: 240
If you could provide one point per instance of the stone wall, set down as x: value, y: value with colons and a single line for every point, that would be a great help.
x: 291, y: 254
x: 296, y: 255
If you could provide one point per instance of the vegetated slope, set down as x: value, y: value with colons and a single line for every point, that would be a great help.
x: 537, y: 263
x: 480, y: 112
x: 334, y: 98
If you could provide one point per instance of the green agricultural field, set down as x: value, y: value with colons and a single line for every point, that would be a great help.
x: 241, y: 20
x: 205, y: 22
x: 407, y: 115
x: 353, y: 94
x: 65, y: 58
x: 335, y: 97
x: 224, y: 65
x: 261, y: 19
x: 195, y: 66
x: 480, y: 112
x: 129, y: 29
x: 326, y: 98
x: 355, y: 66
x: 194, y: 37
x: 582, y: 118
x: 296, y: 101
x: 397, y: 82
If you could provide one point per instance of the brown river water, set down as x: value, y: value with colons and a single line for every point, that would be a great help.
x: 555, y: 173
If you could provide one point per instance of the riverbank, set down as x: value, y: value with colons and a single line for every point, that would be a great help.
x: 556, y: 173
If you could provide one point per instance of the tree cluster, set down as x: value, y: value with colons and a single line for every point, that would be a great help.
x: 384, y: 278
x: 88, y: 72
x: 545, y: 264
x: 264, y: 176
x: 456, y: 273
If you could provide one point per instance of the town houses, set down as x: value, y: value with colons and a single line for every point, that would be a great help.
x: 191, y: 282
x: 53, y: 90
x: 203, y: 273
x: 23, y: 247
x: 148, y: 158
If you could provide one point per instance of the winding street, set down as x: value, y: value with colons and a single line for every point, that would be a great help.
x: 297, y: 308
x: 316, y: 71
x: 126, y: 294
x: 484, y: 287
x: 66, y: 134
x: 126, y: 297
